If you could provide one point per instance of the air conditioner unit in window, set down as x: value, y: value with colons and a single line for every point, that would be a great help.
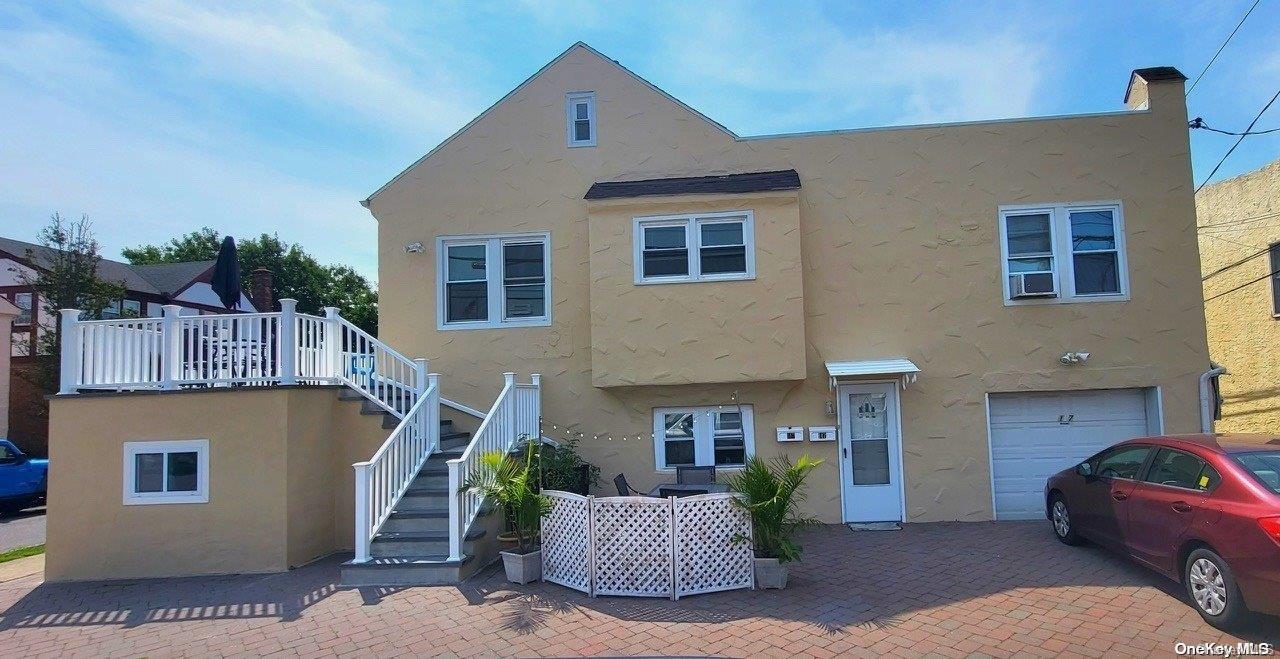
x: 1031, y: 284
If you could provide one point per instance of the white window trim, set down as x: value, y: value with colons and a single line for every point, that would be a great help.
x: 703, y: 435
x: 493, y: 278
x: 1063, y: 263
x: 571, y: 99
x: 693, y: 244
x: 201, y: 493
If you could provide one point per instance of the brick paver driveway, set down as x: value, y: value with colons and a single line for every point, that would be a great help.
x: 944, y: 589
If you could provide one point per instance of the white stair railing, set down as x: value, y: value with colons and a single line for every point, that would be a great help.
x: 373, y: 368
x: 515, y: 414
x: 382, y: 480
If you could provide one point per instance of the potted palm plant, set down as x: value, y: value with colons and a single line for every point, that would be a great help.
x: 506, y: 480
x: 771, y: 492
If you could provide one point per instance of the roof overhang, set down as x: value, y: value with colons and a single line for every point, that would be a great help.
x: 899, y: 367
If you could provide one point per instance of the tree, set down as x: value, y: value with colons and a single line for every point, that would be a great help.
x: 65, y: 276
x: 295, y: 273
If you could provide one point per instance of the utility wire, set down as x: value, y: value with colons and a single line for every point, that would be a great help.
x: 1199, y: 123
x: 1226, y: 227
x: 1224, y: 45
x: 1236, y: 263
x: 1242, y: 136
x: 1247, y: 283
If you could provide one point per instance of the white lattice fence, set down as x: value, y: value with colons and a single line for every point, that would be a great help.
x: 566, y: 546
x: 706, y: 557
x: 646, y: 547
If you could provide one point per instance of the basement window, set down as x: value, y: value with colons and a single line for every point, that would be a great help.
x: 580, y: 118
x: 722, y: 436
x: 166, y: 472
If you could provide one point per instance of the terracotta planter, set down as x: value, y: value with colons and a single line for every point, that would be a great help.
x: 522, y: 568
x: 770, y: 573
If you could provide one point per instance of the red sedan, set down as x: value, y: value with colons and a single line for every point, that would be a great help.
x: 1201, y: 509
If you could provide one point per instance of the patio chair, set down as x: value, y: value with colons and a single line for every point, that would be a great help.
x: 665, y: 492
x: 625, y: 490
x: 695, y: 475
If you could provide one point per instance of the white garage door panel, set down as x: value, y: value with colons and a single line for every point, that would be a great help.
x: 1029, y: 443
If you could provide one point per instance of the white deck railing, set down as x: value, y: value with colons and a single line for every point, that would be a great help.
x: 241, y: 349
x: 383, y: 479
x: 515, y: 414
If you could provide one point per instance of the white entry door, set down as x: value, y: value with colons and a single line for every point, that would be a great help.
x: 871, y: 452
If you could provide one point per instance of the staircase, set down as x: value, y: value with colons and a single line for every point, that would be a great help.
x: 412, y: 547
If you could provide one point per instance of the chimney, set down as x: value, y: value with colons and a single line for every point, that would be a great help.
x: 1143, y: 81
x: 261, y: 295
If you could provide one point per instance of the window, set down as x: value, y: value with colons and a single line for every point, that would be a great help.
x: 703, y: 436
x: 166, y: 472
x: 494, y: 281
x: 1179, y: 469
x: 1080, y: 247
x: 684, y: 248
x: 132, y: 308
x: 580, y: 118
x: 25, y: 303
x: 1122, y: 462
x: 1264, y: 466
x: 1274, y: 252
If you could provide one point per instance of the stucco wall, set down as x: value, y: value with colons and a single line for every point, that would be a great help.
x: 274, y: 478
x: 7, y: 313
x: 1239, y: 218
x: 898, y: 232
x: 679, y: 333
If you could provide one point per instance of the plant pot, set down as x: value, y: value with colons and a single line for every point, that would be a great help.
x: 770, y: 573
x: 522, y: 568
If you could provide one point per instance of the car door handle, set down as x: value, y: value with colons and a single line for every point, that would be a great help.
x: 1181, y: 506
x: 1119, y: 496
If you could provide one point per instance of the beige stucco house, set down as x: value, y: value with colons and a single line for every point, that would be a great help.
x: 945, y: 314
x: 1239, y: 229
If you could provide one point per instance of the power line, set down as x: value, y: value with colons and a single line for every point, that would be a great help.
x: 1237, y: 263
x: 1199, y: 123
x: 1224, y: 45
x: 1247, y: 283
x: 1233, y: 146
x: 1226, y: 226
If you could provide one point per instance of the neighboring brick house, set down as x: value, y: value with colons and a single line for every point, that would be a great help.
x: 1239, y: 229
x: 147, y: 289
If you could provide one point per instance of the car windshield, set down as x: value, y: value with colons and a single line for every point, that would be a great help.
x: 1264, y: 465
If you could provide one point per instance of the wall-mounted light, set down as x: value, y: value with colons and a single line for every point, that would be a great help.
x: 1074, y: 358
x: 831, y: 408
x: 413, y: 248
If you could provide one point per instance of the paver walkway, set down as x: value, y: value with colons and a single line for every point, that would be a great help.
x: 930, y: 589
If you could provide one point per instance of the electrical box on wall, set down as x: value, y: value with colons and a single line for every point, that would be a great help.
x: 822, y: 434
x: 791, y: 433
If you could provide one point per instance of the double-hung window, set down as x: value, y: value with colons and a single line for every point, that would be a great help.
x: 684, y: 248
x: 722, y: 436
x: 166, y: 472
x: 1273, y: 254
x: 1063, y: 253
x: 580, y: 118
x: 494, y: 281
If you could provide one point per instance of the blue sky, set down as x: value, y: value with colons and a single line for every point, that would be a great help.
x: 156, y: 117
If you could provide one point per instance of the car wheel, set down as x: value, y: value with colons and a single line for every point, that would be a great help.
x: 1060, y: 515
x: 1212, y: 588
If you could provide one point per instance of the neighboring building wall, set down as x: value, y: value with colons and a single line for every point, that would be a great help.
x: 899, y: 252
x: 7, y: 313
x: 1239, y: 218
x: 279, y: 468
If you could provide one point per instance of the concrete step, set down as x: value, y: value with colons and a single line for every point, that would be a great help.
x: 435, y: 570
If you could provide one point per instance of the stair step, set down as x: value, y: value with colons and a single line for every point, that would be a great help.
x: 416, y: 490
x: 436, y: 570
x: 424, y: 536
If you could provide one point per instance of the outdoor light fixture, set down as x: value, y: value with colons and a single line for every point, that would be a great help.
x: 413, y: 248
x: 1071, y: 358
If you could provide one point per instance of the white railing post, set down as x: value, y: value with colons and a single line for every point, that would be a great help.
x: 432, y: 418
x: 536, y: 378
x: 288, y: 341
x: 171, y: 350
x: 455, y: 509
x: 72, y: 356
x: 419, y: 375
x: 509, y: 412
x: 333, y: 343
x: 362, y: 511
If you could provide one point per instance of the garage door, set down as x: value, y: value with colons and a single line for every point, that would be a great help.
x: 1034, y: 435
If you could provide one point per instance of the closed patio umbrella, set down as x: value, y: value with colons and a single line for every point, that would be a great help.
x: 226, y: 275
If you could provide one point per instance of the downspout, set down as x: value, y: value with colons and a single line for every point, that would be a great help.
x: 1206, y: 396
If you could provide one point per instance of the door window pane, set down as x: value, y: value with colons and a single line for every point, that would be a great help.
x: 870, y: 461
x: 868, y: 419
x: 524, y: 279
x: 182, y: 472
x: 1097, y: 272
x: 1176, y: 468
x: 1028, y: 234
x: 148, y: 472
x: 1123, y: 462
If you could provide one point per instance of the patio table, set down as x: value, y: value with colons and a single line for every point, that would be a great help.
x: 699, y: 488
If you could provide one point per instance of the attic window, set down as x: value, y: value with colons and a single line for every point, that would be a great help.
x: 580, y: 118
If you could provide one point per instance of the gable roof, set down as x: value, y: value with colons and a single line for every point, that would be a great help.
x: 786, y: 179
x: 522, y: 85
x: 158, y: 279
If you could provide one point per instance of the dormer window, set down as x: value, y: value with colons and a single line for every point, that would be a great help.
x: 580, y: 111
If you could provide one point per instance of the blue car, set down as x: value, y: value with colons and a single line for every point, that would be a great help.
x: 23, y: 480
